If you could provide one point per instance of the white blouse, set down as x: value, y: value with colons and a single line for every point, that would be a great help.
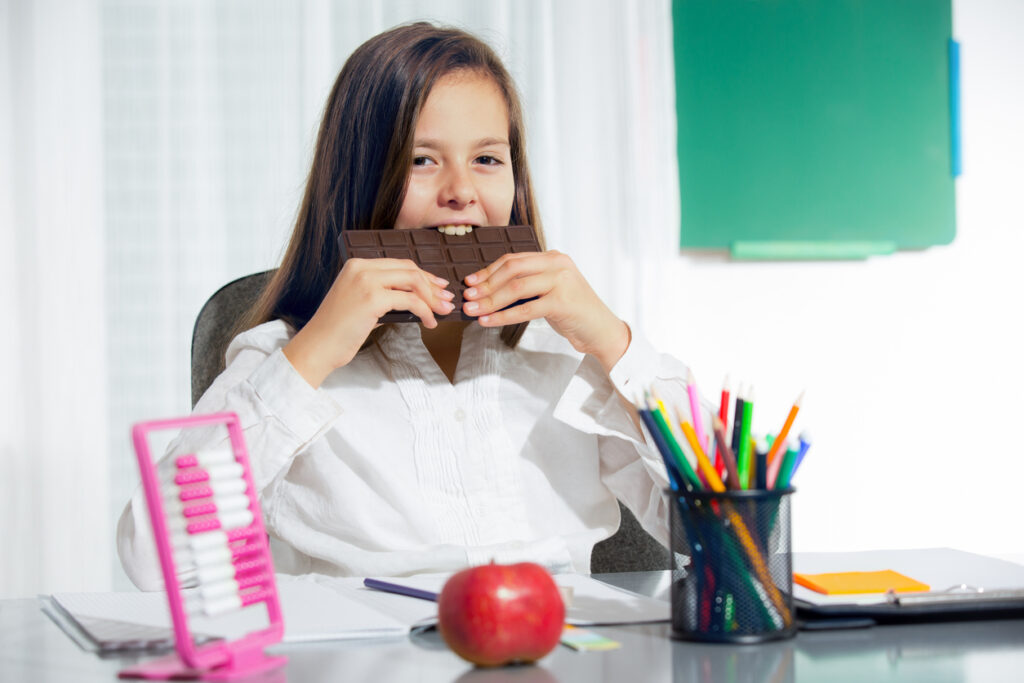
x: 390, y: 469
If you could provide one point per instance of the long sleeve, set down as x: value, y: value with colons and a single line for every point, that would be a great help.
x: 595, y: 402
x: 280, y: 415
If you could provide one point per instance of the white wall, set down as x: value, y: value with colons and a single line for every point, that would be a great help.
x: 912, y: 363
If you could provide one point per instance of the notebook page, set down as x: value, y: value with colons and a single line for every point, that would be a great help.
x: 593, y: 602
x: 311, y: 612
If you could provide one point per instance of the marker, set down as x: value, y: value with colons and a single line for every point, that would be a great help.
x: 774, y: 461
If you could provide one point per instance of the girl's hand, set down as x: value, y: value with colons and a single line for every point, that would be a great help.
x: 364, y: 290
x: 563, y: 298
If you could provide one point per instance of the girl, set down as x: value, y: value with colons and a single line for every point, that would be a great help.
x: 411, y: 448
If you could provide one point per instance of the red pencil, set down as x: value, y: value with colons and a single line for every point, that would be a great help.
x: 723, y: 415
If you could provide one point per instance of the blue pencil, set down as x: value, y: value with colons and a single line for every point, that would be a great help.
x: 805, y: 443
x: 675, y: 478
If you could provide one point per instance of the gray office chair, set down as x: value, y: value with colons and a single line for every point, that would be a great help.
x: 629, y: 549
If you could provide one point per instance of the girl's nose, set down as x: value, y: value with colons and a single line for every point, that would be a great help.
x: 458, y: 189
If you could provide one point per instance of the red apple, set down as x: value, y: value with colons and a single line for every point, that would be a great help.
x: 497, y: 614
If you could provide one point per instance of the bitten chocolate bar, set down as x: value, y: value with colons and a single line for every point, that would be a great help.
x: 452, y: 257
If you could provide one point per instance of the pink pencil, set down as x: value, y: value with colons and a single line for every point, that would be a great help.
x: 698, y: 421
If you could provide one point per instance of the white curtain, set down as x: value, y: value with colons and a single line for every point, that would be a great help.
x: 153, y: 151
x: 54, y: 488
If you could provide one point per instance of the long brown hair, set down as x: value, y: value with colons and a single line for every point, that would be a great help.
x: 363, y: 158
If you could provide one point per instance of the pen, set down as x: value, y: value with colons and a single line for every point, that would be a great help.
x: 400, y: 589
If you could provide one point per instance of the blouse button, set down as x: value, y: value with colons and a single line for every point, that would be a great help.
x: 460, y: 415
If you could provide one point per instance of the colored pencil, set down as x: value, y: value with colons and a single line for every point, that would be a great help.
x: 684, y: 465
x: 733, y: 480
x: 743, y: 456
x: 786, y: 471
x: 675, y: 435
x: 675, y: 477
x: 805, y: 443
x: 702, y: 459
x: 695, y: 411
x: 774, y: 461
x: 737, y: 420
x: 723, y: 415
x: 760, y: 476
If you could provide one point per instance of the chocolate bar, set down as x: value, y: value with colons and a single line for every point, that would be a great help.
x: 452, y: 257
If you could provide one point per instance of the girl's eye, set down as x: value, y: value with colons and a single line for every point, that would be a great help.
x: 488, y: 160
x: 421, y: 161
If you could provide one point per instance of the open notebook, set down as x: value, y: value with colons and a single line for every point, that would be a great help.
x: 315, y: 608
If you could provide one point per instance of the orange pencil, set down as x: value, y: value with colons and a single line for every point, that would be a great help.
x: 774, y: 462
x: 702, y: 459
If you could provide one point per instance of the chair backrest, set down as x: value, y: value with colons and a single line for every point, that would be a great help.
x: 215, y: 323
x: 629, y: 549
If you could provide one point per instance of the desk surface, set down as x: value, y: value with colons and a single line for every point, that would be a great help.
x: 32, y: 648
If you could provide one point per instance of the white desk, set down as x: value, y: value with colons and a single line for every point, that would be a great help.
x: 33, y: 649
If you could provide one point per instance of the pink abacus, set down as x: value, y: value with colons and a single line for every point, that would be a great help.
x: 206, y: 517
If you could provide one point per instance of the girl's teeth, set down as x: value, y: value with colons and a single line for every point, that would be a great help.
x: 455, y: 229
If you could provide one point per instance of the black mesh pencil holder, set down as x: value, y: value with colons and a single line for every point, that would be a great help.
x: 732, y: 567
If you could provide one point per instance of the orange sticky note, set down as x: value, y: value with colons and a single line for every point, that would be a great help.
x: 849, y: 583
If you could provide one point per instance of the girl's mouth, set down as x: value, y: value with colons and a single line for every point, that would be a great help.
x: 455, y: 229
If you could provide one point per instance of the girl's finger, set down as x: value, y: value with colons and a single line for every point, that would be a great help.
x: 487, y: 272
x: 505, y: 269
x: 516, y: 289
x: 413, y: 281
x: 402, y: 264
x: 397, y: 300
x: 524, y: 312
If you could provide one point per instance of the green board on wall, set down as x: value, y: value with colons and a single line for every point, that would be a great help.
x: 816, y: 128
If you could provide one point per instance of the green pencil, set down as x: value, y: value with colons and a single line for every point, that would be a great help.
x: 681, y: 461
x: 743, y: 457
x: 786, y: 469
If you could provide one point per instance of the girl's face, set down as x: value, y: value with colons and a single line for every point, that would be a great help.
x: 462, y: 165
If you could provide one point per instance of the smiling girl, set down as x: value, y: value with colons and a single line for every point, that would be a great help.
x: 410, y: 448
